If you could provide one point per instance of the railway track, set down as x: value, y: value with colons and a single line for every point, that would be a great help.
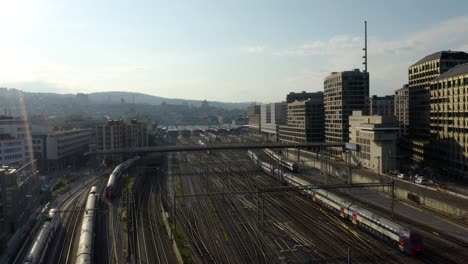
x: 287, y: 234
x: 71, y: 205
x: 440, y: 246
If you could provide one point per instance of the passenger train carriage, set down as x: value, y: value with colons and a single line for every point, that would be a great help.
x: 292, y: 166
x: 86, y: 243
x: 114, y: 176
x: 406, y: 240
x: 40, y: 245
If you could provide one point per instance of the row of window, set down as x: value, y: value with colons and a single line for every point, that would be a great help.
x: 433, y: 65
x: 10, y: 157
x: 449, y: 83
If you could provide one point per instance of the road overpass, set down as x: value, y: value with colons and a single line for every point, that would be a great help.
x: 182, y: 148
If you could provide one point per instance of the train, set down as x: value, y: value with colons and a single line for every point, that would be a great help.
x: 114, y: 176
x: 86, y: 243
x: 292, y: 166
x: 40, y: 245
x: 406, y: 240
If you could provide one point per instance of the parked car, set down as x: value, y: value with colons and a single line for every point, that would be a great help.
x: 421, y: 180
x: 401, y: 175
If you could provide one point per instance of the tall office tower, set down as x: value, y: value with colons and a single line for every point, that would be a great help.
x: 420, y: 75
x: 343, y: 92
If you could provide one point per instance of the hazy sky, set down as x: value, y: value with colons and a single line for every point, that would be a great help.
x: 219, y: 50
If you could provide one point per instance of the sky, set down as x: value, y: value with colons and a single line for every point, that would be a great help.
x: 232, y: 51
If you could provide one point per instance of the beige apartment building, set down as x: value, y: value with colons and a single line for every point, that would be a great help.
x: 376, y: 139
x: 119, y: 134
x: 253, y: 112
x: 449, y: 121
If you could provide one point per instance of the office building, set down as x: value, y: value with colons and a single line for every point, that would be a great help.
x: 271, y: 116
x: 449, y: 121
x: 11, y: 150
x: 401, y: 110
x: 66, y: 147
x: 420, y: 75
x: 19, y: 129
x: 343, y: 92
x: 302, y: 96
x: 253, y: 113
x: 305, y: 121
x: 19, y: 197
x: 118, y: 134
x: 376, y: 139
x: 381, y: 105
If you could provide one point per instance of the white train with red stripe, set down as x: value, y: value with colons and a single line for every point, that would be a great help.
x: 406, y: 240
x: 292, y: 166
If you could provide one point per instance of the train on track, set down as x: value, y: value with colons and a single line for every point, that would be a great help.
x: 114, y: 176
x: 397, y: 235
x: 292, y: 166
x: 46, y: 234
x: 86, y: 243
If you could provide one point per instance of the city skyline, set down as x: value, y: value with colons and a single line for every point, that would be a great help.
x: 224, y: 51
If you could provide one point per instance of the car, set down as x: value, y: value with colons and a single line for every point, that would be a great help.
x: 421, y: 180
x: 401, y: 175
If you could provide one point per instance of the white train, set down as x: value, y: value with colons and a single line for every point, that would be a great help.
x: 85, y: 252
x: 292, y: 166
x: 396, y: 234
x: 112, y: 182
x: 41, y: 243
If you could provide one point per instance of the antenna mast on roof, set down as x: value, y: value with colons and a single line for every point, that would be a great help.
x: 365, y: 47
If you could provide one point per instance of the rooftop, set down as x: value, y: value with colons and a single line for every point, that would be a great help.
x: 444, y: 54
x: 455, y: 71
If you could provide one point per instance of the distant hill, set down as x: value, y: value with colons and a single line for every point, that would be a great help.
x: 140, y: 98
x: 8, y: 97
